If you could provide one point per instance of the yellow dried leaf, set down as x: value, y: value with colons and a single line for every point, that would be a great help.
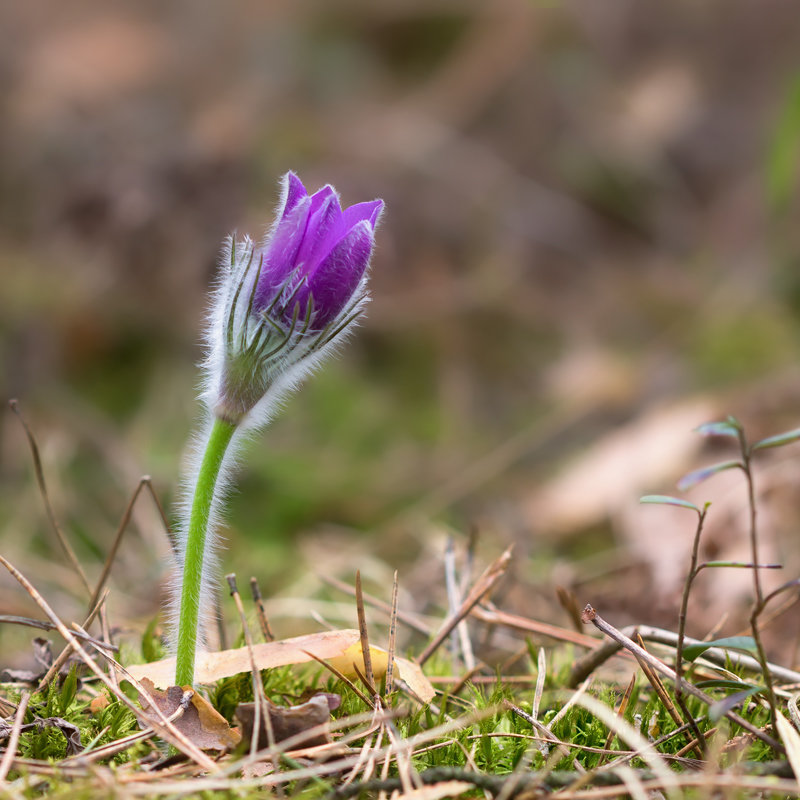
x: 343, y: 645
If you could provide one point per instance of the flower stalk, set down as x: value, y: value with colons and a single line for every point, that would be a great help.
x: 279, y: 309
x: 195, y: 550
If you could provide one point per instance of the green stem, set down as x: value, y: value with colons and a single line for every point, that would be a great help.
x: 196, y: 535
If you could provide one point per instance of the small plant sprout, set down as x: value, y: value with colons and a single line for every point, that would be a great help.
x: 279, y: 309
x: 733, y: 429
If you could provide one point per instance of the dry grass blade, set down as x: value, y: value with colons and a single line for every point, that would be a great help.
x: 541, y: 672
x: 666, y: 700
x: 461, y: 633
x: 402, y: 754
x: 13, y: 738
x: 494, y: 616
x: 571, y: 702
x: 37, y: 467
x: 791, y: 739
x: 480, y: 589
x: 369, y: 677
x: 261, y: 710
x: 363, y: 759
x: 258, y: 601
x: 389, y: 686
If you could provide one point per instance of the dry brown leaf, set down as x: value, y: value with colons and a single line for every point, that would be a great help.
x: 341, y: 648
x: 99, y: 703
x: 289, y: 721
x: 201, y: 723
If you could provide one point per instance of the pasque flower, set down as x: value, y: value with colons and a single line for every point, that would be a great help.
x: 282, y: 303
x: 279, y: 308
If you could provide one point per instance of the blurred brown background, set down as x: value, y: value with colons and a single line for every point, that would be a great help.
x: 590, y: 248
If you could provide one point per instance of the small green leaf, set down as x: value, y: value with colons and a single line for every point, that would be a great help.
x: 666, y: 500
x: 778, y: 440
x: 730, y: 427
x: 719, y: 709
x: 699, y: 475
x: 737, y: 565
x: 724, y: 683
x: 69, y: 689
x: 746, y: 643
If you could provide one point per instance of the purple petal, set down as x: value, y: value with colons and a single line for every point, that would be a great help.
x: 280, y: 254
x: 337, y: 277
x: 369, y: 211
x: 323, y: 230
x: 292, y: 192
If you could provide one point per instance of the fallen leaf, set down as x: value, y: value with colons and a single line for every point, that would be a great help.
x: 99, y: 703
x: 289, y: 721
x: 201, y: 723
x: 342, y: 648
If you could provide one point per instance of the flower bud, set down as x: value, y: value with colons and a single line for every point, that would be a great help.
x: 281, y: 305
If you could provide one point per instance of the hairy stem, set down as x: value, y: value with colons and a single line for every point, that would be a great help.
x: 195, y: 552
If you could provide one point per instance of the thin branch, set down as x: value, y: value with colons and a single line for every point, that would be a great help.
x: 590, y: 615
x: 37, y: 467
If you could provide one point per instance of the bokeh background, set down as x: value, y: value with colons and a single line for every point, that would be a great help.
x: 590, y: 247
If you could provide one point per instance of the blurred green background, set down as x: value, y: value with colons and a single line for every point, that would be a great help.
x: 590, y: 238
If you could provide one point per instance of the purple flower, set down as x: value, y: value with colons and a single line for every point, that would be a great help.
x: 316, y: 257
x: 281, y: 306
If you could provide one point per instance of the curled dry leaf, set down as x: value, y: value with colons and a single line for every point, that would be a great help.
x: 289, y: 721
x: 341, y: 648
x: 201, y: 723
